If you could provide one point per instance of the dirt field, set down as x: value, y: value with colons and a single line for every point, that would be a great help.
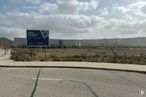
x: 100, y: 54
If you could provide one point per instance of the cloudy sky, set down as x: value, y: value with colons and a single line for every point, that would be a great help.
x: 74, y: 19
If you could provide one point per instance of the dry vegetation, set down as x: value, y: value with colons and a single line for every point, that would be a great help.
x: 100, y: 54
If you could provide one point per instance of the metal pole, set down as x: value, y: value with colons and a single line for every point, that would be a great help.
x: 45, y: 52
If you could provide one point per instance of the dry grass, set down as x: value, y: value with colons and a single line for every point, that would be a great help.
x: 22, y: 55
x: 123, y: 55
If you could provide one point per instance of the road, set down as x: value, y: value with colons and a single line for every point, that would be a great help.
x: 51, y: 82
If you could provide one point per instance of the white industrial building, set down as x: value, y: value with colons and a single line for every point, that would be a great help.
x: 19, y: 42
x: 57, y: 43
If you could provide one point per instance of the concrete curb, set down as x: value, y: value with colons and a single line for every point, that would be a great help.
x: 74, y: 67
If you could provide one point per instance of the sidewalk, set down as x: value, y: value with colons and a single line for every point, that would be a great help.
x: 6, y: 62
x: 84, y: 65
x: 4, y: 56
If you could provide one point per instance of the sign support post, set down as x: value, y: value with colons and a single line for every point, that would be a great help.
x: 45, y: 53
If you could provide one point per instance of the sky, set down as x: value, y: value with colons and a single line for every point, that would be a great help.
x: 74, y: 19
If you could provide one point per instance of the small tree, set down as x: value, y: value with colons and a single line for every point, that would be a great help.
x: 5, y: 46
x: 113, y: 49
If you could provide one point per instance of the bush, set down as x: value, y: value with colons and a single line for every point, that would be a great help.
x: 54, y: 57
x: 24, y: 54
x: 21, y: 55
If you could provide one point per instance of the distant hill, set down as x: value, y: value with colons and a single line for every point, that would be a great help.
x: 5, y: 42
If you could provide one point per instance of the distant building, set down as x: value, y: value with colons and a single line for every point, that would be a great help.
x: 19, y: 42
x: 64, y: 43
x: 59, y: 43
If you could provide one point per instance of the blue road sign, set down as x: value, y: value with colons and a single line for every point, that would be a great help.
x: 37, y: 38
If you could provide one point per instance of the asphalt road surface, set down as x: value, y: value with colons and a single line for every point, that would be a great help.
x: 70, y: 83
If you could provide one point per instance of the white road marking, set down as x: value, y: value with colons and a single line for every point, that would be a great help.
x: 141, y: 92
x: 48, y: 79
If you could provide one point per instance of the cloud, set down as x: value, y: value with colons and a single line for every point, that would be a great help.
x: 120, y: 9
x: 68, y: 6
x: 127, y: 26
x: 27, y: 1
x: 47, y: 7
x: 138, y: 8
x: 104, y: 12
x: 70, y: 26
x: 73, y: 19
x: 64, y: 25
